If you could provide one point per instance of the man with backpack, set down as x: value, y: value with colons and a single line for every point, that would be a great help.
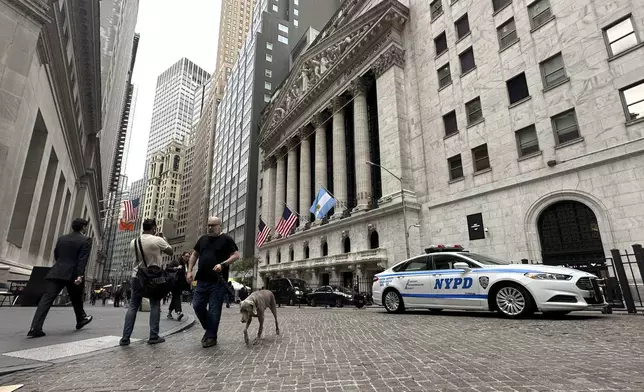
x: 147, y: 250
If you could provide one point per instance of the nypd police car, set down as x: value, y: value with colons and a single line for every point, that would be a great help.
x: 451, y: 278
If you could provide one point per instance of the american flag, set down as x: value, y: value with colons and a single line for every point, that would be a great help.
x: 131, y: 210
x: 286, y: 223
x: 264, y: 231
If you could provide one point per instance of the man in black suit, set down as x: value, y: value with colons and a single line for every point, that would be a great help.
x: 71, y: 254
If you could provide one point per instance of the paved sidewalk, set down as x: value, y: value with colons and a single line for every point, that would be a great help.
x: 368, y: 350
x: 60, y: 325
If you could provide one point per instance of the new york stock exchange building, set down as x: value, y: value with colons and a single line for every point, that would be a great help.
x: 502, y: 126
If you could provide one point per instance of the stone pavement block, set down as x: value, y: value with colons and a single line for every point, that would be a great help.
x: 345, y: 350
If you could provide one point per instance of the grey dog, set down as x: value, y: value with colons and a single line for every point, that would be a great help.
x: 255, y: 306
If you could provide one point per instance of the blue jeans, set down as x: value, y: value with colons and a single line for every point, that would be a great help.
x: 135, y: 303
x: 207, y: 302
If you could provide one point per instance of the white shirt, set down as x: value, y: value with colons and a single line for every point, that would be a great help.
x: 153, y: 246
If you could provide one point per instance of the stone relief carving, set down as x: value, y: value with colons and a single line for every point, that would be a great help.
x: 392, y: 56
x: 322, y: 240
x: 371, y: 228
x: 345, y: 234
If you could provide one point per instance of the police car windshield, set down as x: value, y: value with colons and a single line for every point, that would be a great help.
x: 486, y: 259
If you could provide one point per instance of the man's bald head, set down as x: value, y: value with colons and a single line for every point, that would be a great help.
x: 214, y: 226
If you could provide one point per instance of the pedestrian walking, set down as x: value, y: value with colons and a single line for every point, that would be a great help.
x: 216, y: 252
x: 179, y: 267
x: 147, y: 247
x: 70, y: 254
x: 104, y: 296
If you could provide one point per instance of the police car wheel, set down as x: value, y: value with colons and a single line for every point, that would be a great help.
x: 393, y: 302
x: 512, y: 300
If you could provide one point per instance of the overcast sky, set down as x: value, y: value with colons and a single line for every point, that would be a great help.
x: 170, y: 30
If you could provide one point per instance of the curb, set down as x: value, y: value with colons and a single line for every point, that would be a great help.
x: 185, y: 325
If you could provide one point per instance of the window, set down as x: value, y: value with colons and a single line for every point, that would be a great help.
x: 446, y: 262
x: 498, y: 5
x: 633, y: 98
x: 481, y: 158
x: 269, y: 45
x: 451, y: 126
x: 517, y: 88
x: 620, y: 36
x: 565, y: 126
x: 444, y: 76
x: 275, y: 9
x: 296, y: 2
x: 455, y: 167
x: 282, y: 39
x: 269, y: 58
x: 467, y: 60
x: 462, y: 27
x: 267, y: 98
x: 268, y: 73
x: 417, y: 264
x: 440, y: 43
x: 296, y: 12
x: 296, y: 22
x: 527, y: 142
x: 474, y: 111
x: 507, y: 34
x: 552, y: 71
x: 436, y: 8
x: 267, y: 85
x: 539, y: 12
x: 282, y: 28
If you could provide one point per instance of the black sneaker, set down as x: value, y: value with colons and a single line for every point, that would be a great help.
x: 124, y: 342
x: 203, y: 338
x: 35, y: 334
x: 180, y: 316
x: 170, y: 316
x: 86, y: 320
x: 209, y: 342
x: 156, y: 340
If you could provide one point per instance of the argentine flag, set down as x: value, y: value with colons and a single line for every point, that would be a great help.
x: 322, y: 204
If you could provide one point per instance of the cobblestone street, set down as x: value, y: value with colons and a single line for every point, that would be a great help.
x: 369, y: 350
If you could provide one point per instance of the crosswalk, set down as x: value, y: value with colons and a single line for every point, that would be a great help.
x: 63, y: 350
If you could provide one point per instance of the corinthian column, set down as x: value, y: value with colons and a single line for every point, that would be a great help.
x: 339, y: 157
x: 320, y: 153
x: 280, y: 186
x: 306, y: 199
x: 362, y: 147
x: 291, y: 176
x: 268, y: 202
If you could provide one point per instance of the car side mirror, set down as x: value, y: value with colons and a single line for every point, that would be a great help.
x: 462, y: 265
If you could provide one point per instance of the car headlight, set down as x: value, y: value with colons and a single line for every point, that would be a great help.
x: 547, y: 276
x: 298, y: 292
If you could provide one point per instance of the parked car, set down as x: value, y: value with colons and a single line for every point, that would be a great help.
x: 335, y: 296
x: 289, y: 291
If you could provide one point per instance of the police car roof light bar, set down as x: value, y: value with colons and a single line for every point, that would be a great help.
x: 443, y: 248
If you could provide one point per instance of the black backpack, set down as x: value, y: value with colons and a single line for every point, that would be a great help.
x: 154, y: 280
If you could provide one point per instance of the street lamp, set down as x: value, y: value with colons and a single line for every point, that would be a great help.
x: 402, y: 195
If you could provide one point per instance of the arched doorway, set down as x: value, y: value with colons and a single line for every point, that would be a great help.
x: 374, y: 240
x: 568, y: 231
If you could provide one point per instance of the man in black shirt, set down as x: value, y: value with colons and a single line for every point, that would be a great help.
x: 216, y: 252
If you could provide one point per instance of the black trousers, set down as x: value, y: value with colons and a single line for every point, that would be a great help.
x: 52, y: 289
x: 175, y: 302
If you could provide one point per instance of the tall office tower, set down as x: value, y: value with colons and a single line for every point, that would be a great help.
x: 163, y: 189
x: 262, y: 65
x: 173, y: 101
x: 234, y: 23
x: 119, y: 45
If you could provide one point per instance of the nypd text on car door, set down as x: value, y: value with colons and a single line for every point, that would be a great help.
x: 454, y: 282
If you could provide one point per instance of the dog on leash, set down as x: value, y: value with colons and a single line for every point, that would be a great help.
x: 255, y: 306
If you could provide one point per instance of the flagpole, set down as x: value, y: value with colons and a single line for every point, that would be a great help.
x: 289, y: 207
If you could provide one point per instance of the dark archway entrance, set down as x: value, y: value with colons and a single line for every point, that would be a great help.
x: 374, y: 240
x: 568, y: 231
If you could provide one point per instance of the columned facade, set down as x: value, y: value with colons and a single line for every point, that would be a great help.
x: 336, y: 118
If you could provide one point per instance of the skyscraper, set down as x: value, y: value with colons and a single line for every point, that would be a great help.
x: 234, y: 23
x: 262, y: 65
x: 173, y: 104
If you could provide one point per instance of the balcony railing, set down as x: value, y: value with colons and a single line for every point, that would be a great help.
x: 365, y: 256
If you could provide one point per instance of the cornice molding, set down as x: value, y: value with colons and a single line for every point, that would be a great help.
x: 392, y: 56
x: 331, y: 60
x: 36, y: 10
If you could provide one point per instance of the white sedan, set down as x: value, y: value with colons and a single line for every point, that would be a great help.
x: 450, y: 278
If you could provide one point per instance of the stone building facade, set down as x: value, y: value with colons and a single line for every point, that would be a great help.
x: 50, y: 114
x: 515, y: 127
